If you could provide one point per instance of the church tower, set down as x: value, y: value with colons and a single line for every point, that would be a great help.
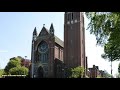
x: 74, y: 40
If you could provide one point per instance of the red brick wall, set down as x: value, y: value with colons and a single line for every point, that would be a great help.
x: 74, y: 50
x: 94, y: 72
x: 25, y: 62
x: 58, y: 52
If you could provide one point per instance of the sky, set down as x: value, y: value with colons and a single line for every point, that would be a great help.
x: 16, y: 36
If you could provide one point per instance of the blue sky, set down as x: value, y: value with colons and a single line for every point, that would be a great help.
x: 16, y: 35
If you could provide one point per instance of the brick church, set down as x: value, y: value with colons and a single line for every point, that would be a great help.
x: 50, y: 56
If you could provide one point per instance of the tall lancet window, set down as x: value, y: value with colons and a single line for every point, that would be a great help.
x: 43, y: 52
x: 71, y: 16
x: 68, y: 16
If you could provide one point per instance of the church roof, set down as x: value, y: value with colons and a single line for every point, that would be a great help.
x: 43, y: 29
x: 59, y: 41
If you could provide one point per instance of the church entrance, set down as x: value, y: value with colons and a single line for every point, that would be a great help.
x: 40, y: 72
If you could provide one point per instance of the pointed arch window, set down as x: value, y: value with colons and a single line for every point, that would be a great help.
x: 43, y: 57
x: 43, y: 51
x: 68, y: 16
x: 72, y: 16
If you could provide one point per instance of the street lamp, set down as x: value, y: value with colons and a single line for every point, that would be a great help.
x: 25, y: 63
x: 25, y: 60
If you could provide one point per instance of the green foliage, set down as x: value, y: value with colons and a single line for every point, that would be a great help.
x: 77, y: 72
x: 14, y: 67
x: 105, y: 26
x: 107, y: 75
x: 99, y: 77
x: 14, y: 62
x: 118, y: 75
x: 112, y: 50
x: 19, y: 70
x: 1, y: 72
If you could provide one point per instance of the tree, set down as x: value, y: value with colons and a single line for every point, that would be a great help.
x: 117, y: 75
x: 14, y: 62
x: 19, y: 70
x: 119, y: 68
x: 112, y: 49
x: 105, y: 26
x: 77, y: 72
x: 1, y: 72
x: 106, y: 74
x: 15, y: 67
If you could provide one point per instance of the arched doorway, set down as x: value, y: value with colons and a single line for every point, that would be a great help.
x: 40, y: 72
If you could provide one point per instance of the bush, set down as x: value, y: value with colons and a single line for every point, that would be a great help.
x: 99, y: 77
x: 77, y: 72
x: 19, y: 71
x: 1, y: 72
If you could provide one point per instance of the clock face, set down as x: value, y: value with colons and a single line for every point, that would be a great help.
x: 43, y: 47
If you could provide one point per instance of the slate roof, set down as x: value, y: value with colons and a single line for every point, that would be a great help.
x: 59, y: 41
